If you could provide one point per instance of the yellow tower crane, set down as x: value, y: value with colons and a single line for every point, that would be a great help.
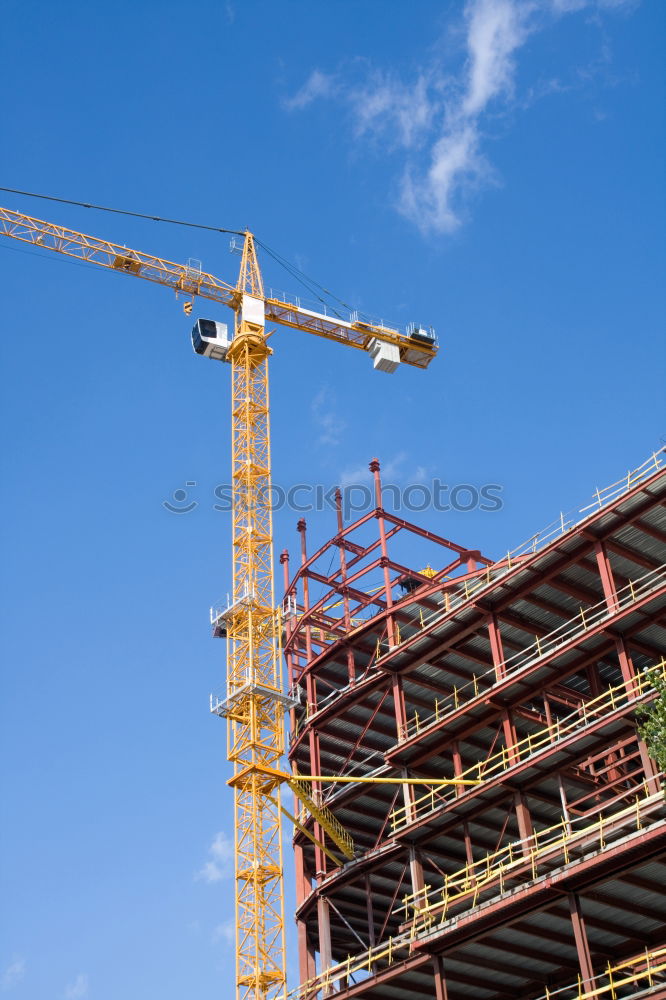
x: 255, y: 702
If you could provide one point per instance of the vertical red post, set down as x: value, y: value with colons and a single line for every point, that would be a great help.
x: 416, y: 875
x: 441, y: 992
x: 284, y: 562
x: 496, y: 648
x: 606, y: 574
x: 324, y: 924
x: 351, y: 667
x: 384, y: 560
x: 582, y: 945
x: 525, y: 829
x: 649, y: 766
x: 399, y: 708
x: 301, y: 527
x: 371, y: 912
x: 306, y: 962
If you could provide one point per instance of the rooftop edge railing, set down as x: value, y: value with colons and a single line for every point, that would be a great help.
x: 538, y: 541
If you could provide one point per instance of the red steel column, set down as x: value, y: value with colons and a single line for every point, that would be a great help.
x: 582, y: 945
x: 522, y: 812
x: 496, y: 648
x: 606, y: 574
x: 399, y: 707
x: 351, y: 668
x: 301, y: 527
x: 306, y: 963
x: 284, y: 562
x: 416, y: 873
x: 525, y: 829
x: 440, y: 982
x: 415, y: 866
x: 371, y: 913
x: 315, y: 764
x: 459, y: 789
x: 324, y: 922
x: 649, y: 766
x: 388, y: 597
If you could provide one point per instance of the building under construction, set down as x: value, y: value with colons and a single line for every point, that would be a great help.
x: 538, y: 869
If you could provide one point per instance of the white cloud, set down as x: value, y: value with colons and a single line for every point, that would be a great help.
x: 495, y: 30
x: 326, y: 418
x: 225, y: 932
x: 439, y: 118
x: 385, y: 105
x: 317, y: 85
x: 13, y: 974
x: 220, y: 861
x: 78, y: 988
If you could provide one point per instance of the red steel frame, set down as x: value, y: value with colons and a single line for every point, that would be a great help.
x: 535, y: 661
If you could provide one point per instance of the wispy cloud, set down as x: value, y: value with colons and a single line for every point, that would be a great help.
x: 78, y: 988
x: 440, y: 117
x: 220, y: 859
x: 317, y: 85
x: 225, y: 932
x: 13, y: 974
x: 326, y: 417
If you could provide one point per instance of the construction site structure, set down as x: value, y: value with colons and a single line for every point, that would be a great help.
x: 524, y: 675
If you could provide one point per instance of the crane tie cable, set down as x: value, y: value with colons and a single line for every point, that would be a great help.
x: 121, y: 211
x: 295, y: 272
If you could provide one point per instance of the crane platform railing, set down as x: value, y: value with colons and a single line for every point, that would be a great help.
x: 471, y: 588
x: 523, y: 861
x: 586, y: 620
x: 621, y: 696
x: 328, y: 310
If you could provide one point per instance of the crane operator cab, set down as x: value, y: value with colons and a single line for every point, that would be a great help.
x: 211, y: 339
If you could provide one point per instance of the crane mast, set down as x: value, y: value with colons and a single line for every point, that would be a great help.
x: 255, y: 703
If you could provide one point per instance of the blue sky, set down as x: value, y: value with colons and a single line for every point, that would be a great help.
x: 491, y: 168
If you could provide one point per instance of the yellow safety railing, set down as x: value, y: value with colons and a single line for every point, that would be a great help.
x: 519, y: 861
x: 583, y: 622
x: 589, y: 711
x: 641, y: 971
x: 647, y: 967
x: 366, y: 964
x: 564, y: 524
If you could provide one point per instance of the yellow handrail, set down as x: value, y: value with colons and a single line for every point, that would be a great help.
x: 523, y: 658
x: 509, y: 860
x: 611, y: 699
